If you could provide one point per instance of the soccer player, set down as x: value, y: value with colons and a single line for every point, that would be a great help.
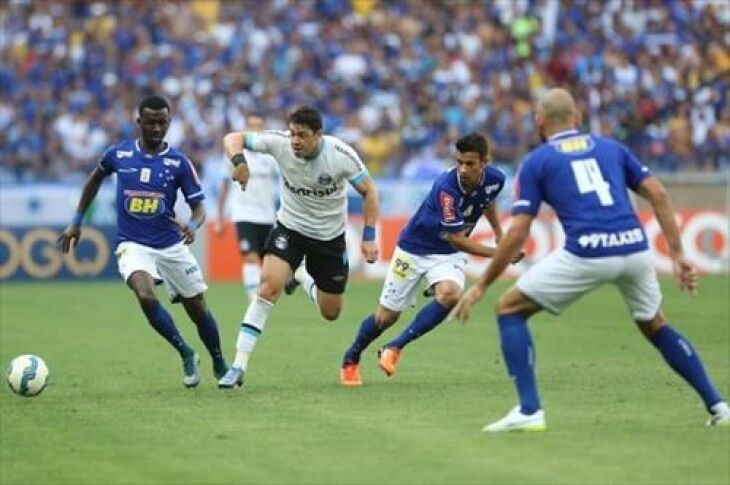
x: 431, y: 247
x: 585, y: 179
x: 315, y: 169
x: 252, y: 210
x: 152, y: 244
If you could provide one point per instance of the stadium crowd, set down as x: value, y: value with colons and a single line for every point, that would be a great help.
x: 398, y: 79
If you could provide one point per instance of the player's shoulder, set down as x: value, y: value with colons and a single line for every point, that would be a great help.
x: 447, y: 181
x: 340, y: 148
x: 283, y: 134
x: 492, y: 175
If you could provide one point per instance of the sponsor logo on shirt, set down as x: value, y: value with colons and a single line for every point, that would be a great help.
x: 306, y: 192
x: 491, y: 188
x: 447, y: 207
x: 124, y: 153
x: 171, y: 162
x: 143, y: 204
x: 127, y: 170
x: 576, y: 144
x: 611, y: 239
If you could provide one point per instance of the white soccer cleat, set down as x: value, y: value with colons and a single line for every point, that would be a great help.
x: 720, y: 415
x: 516, y: 421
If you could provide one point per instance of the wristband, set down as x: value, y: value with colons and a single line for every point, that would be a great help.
x: 194, y: 225
x: 238, y: 159
x: 368, y: 233
x: 78, y: 217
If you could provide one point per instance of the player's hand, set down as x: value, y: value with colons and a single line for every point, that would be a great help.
x: 518, y: 258
x: 218, y: 227
x: 188, y: 234
x: 686, y: 275
x: 69, y: 238
x: 240, y: 175
x: 369, y: 250
x: 462, y: 310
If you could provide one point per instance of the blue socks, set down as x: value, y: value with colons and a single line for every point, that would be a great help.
x: 165, y: 326
x: 368, y: 332
x: 208, y: 332
x: 682, y: 357
x: 519, y: 355
x: 426, y: 320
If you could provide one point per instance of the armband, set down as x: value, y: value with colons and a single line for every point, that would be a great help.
x: 238, y: 159
x: 368, y: 233
x: 78, y: 217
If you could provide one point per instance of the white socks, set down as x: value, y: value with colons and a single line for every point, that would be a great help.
x: 251, y: 327
x: 307, y: 283
x: 250, y: 275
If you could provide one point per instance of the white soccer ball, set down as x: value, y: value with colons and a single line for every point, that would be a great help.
x: 27, y: 375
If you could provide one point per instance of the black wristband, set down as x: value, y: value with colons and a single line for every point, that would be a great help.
x: 238, y: 159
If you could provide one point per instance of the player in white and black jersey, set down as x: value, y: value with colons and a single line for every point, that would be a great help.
x: 315, y: 169
x: 252, y: 210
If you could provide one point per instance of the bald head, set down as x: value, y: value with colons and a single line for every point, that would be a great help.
x: 556, y: 111
x: 557, y: 105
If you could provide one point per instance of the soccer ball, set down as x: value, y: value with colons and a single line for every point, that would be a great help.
x: 27, y: 375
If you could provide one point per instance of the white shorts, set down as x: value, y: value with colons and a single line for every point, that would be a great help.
x: 407, y: 270
x: 175, y: 266
x: 562, y: 277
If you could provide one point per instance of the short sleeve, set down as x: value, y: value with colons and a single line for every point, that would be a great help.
x: 270, y: 141
x: 107, y: 164
x: 634, y: 170
x: 190, y: 183
x: 528, y: 192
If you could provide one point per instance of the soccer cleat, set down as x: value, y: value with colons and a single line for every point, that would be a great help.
x: 232, y: 379
x: 388, y: 359
x: 516, y: 421
x: 191, y: 364
x: 720, y: 415
x: 350, y: 375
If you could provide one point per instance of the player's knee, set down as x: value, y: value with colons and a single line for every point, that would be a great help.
x: 146, y: 298
x: 385, y: 318
x: 330, y: 313
x: 268, y: 291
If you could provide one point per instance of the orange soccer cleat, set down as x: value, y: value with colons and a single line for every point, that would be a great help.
x: 388, y: 359
x: 350, y: 375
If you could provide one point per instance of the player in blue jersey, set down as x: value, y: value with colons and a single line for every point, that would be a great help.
x: 152, y: 244
x: 431, y: 247
x: 585, y: 179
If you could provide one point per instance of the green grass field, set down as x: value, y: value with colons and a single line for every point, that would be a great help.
x: 116, y: 412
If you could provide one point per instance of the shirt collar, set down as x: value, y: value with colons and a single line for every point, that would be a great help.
x: 461, y: 187
x: 161, y: 152
x: 563, y: 133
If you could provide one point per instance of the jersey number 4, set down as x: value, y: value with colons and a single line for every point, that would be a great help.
x: 589, y: 178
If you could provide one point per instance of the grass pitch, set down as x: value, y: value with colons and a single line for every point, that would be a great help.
x: 116, y: 412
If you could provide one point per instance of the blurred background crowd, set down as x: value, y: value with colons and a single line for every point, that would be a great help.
x: 397, y: 79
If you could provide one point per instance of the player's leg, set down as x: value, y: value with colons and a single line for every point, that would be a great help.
x: 640, y: 289
x: 283, y: 252
x: 553, y: 284
x: 251, y: 238
x: 207, y: 327
x: 370, y: 329
x: 328, y: 269
x: 445, y: 274
x: 138, y: 266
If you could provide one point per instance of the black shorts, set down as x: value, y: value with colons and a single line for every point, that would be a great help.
x: 326, y: 261
x: 252, y: 236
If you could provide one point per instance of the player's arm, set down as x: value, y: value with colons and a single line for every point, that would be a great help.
x: 654, y: 191
x: 493, y: 217
x: 221, y: 205
x: 461, y: 242
x: 70, y: 236
x: 233, y: 144
x: 197, y: 218
x: 371, y: 209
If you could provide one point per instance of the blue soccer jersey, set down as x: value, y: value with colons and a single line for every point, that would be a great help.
x: 449, y: 209
x: 585, y: 179
x: 147, y: 187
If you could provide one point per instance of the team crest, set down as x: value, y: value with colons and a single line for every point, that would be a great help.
x: 281, y: 242
x: 324, y: 179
